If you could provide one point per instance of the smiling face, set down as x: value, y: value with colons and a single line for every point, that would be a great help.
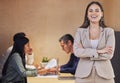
x: 27, y: 49
x: 94, y: 13
x: 67, y: 47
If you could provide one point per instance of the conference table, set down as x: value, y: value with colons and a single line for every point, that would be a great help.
x: 49, y: 80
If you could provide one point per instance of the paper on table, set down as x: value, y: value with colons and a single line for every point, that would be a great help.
x: 52, y: 63
x: 47, y: 76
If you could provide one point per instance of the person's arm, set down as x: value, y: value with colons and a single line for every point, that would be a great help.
x: 29, y: 59
x: 79, y: 50
x: 107, y: 52
x: 63, y: 68
x: 68, y: 63
x: 43, y: 71
x: 71, y: 69
x: 67, y: 68
x: 95, y: 54
x: 18, y: 66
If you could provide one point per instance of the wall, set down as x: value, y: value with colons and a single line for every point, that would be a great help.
x: 113, y: 7
x: 44, y: 21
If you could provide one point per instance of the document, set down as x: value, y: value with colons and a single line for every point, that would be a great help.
x: 52, y: 63
x: 47, y: 76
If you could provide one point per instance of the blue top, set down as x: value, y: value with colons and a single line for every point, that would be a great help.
x: 71, y: 65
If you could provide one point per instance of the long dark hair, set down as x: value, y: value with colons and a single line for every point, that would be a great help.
x: 86, y: 22
x: 18, y: 47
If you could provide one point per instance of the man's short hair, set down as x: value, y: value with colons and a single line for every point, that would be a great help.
x: 65, y: 38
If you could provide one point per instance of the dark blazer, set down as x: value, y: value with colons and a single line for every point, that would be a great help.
x: 71, y: 65
x: 90, y: 57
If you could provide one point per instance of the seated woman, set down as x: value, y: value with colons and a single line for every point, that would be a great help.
x: 14, y: 70
x: 29, y: 57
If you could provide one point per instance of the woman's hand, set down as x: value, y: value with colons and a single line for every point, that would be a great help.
x: 42, y: 71
x: 107, y: 50
x: 47, y: 71
x: 54, y: 70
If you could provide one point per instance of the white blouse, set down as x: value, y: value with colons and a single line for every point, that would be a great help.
x: 94, y: 43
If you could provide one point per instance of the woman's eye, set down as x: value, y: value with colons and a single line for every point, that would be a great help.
x: 90, y: 10
x: 97, y: 10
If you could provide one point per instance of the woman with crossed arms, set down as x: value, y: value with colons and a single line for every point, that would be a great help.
x: 94, y: 43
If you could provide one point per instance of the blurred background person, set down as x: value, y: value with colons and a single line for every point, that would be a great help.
x: 29, y: 56
x: 14, y: 70
x: 66, y: 42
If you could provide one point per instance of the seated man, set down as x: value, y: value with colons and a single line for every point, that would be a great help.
x: 66, y: 43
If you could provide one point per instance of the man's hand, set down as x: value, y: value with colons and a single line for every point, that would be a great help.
x: 54, y: 70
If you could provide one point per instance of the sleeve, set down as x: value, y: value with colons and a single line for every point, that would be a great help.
x: 68, y: 70
x: 18, y: 66
x: 72, y: 66
x: 67, y: 64
x: 110, y: 41
x: 30, y: 59
x: 81, y: 51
